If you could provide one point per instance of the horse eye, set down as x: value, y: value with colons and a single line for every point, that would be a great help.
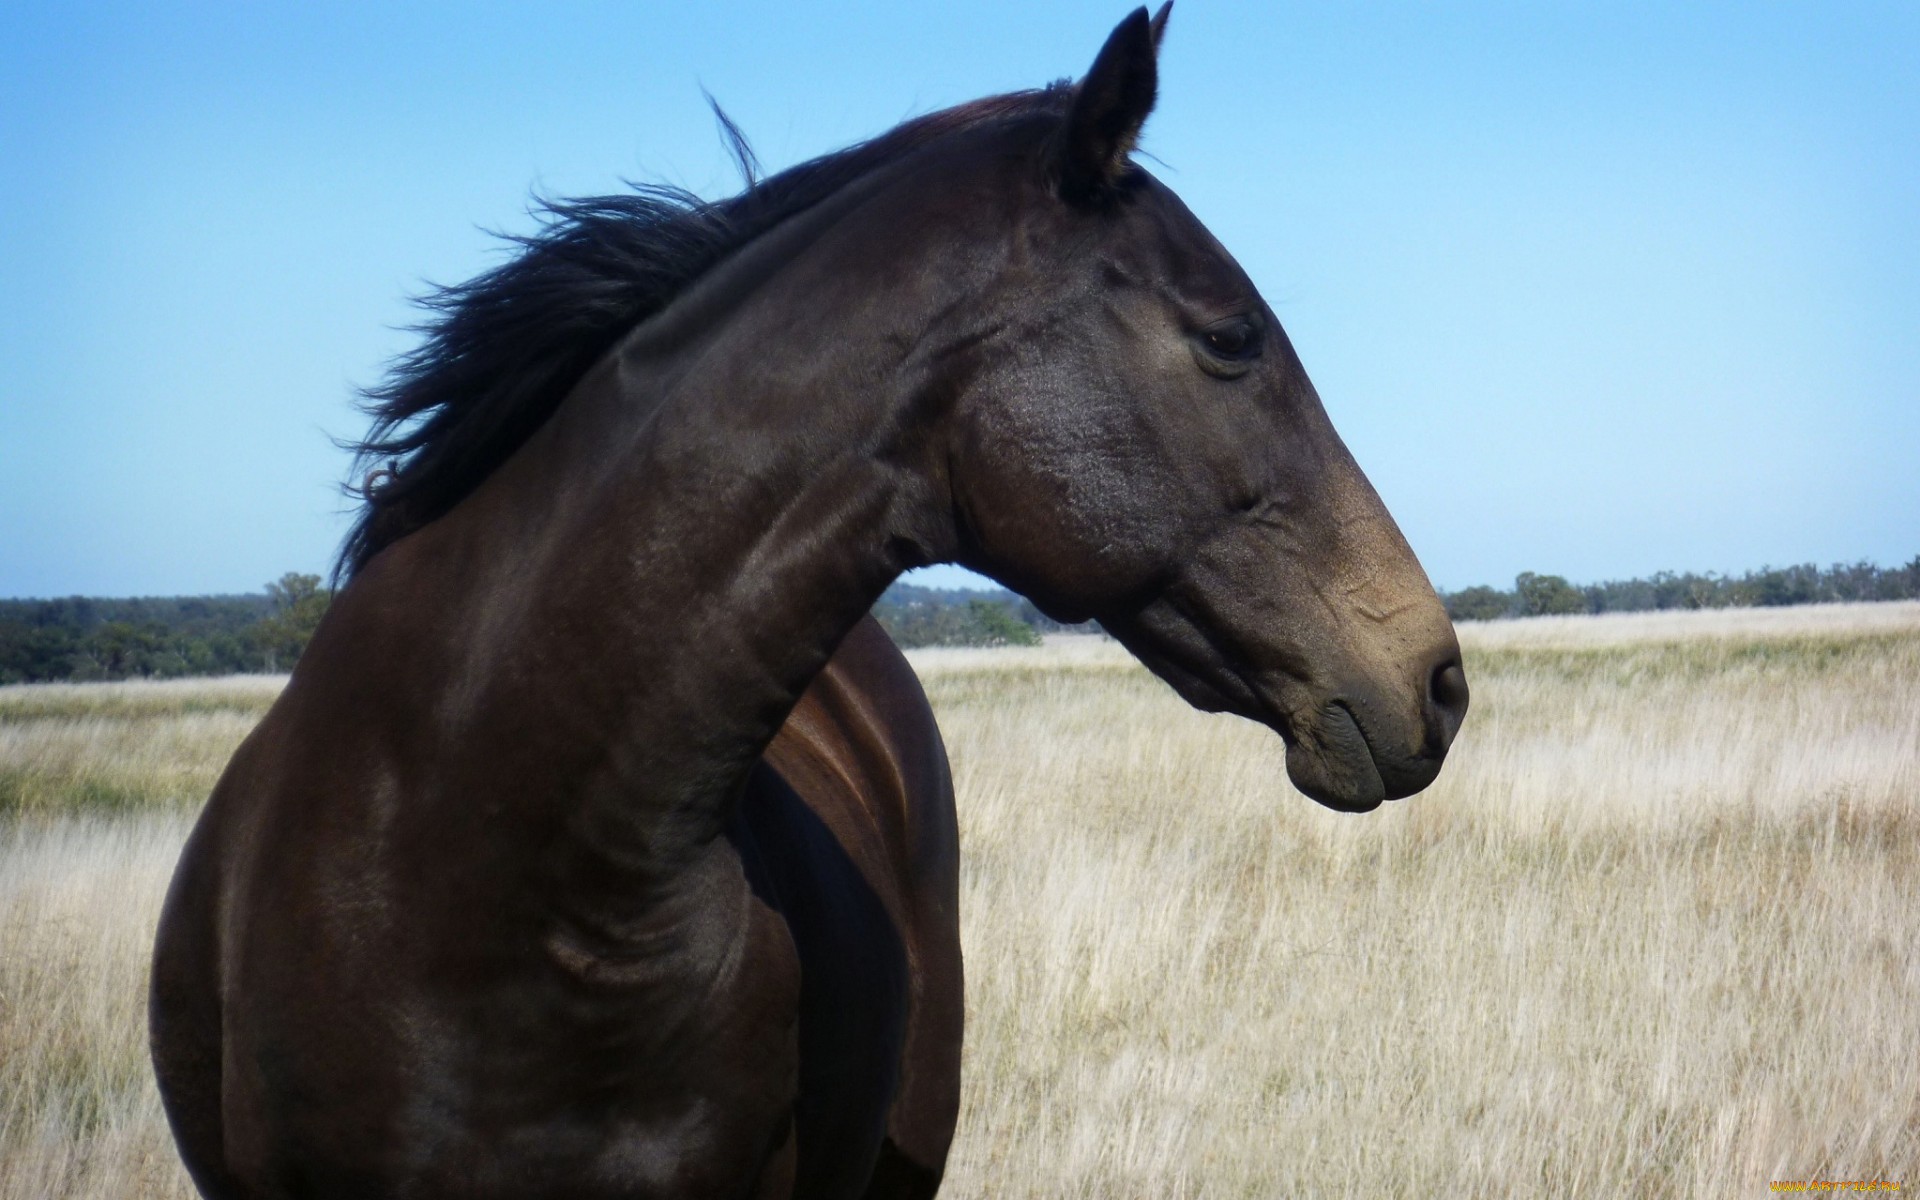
x: 1231, y: 341
x: 1235, y: 340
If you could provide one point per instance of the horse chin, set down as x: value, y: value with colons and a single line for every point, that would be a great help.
x: 1330, y: 761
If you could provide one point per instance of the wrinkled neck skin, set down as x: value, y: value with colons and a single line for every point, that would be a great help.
x: 662, y: 570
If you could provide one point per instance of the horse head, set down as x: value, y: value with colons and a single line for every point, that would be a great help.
x: 1141, y: 445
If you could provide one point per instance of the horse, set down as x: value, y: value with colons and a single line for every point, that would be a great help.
x: 600, y: 844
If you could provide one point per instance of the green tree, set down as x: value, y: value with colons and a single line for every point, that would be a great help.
x: 1546, y: 595
x: 995, y: 625
x: 1776, y: 586
x: 1481, y: 603
x: 298, y: 604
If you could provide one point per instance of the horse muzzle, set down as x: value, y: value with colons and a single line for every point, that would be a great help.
x: 1351, y: 753
x: 1353, y: 741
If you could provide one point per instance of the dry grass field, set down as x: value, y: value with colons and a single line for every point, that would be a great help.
x: 1655, y: 932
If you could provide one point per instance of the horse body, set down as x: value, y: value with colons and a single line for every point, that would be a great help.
x: 751, y: 1028
x: 599, y: 845
x: 524, y: 886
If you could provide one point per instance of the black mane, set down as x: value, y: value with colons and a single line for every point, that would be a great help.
x: 502, y: 350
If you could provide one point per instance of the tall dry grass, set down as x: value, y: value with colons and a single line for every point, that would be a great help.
x: 122, y: 747
x: 78, y: 1112
x: 1655, y: 931
x: 1652, y: 933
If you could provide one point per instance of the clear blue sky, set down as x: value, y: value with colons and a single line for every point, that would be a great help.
x: 1594, y: 290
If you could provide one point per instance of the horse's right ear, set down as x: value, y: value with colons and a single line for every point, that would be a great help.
x: 1109, y: 107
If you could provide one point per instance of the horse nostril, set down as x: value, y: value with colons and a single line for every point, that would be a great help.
x: 1448, y: 690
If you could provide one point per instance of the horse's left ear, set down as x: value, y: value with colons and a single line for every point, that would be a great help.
x: 1110, y: 105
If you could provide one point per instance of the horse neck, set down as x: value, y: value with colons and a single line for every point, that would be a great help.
x: 716, y: 505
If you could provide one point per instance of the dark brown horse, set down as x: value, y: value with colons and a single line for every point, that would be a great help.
x: 600, y: 846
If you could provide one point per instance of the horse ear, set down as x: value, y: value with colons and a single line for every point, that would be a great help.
x: 1110, y: 105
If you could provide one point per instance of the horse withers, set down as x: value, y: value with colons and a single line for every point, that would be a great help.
x: 600, y: 845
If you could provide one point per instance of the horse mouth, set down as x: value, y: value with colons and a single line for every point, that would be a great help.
x: 1334, y: 758
x: 1348, y: 747
x: 1331, y: 760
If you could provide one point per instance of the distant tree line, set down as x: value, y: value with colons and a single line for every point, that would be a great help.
x: 920, y: 616
x: 84, y: 638
x: 1543, y: 595
x: 87, y: 638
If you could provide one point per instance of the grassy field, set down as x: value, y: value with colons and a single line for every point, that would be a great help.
x: 1656, y: 931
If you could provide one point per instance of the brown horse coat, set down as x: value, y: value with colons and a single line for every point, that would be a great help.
x: 600, y: 846
x: 868, y: 1048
